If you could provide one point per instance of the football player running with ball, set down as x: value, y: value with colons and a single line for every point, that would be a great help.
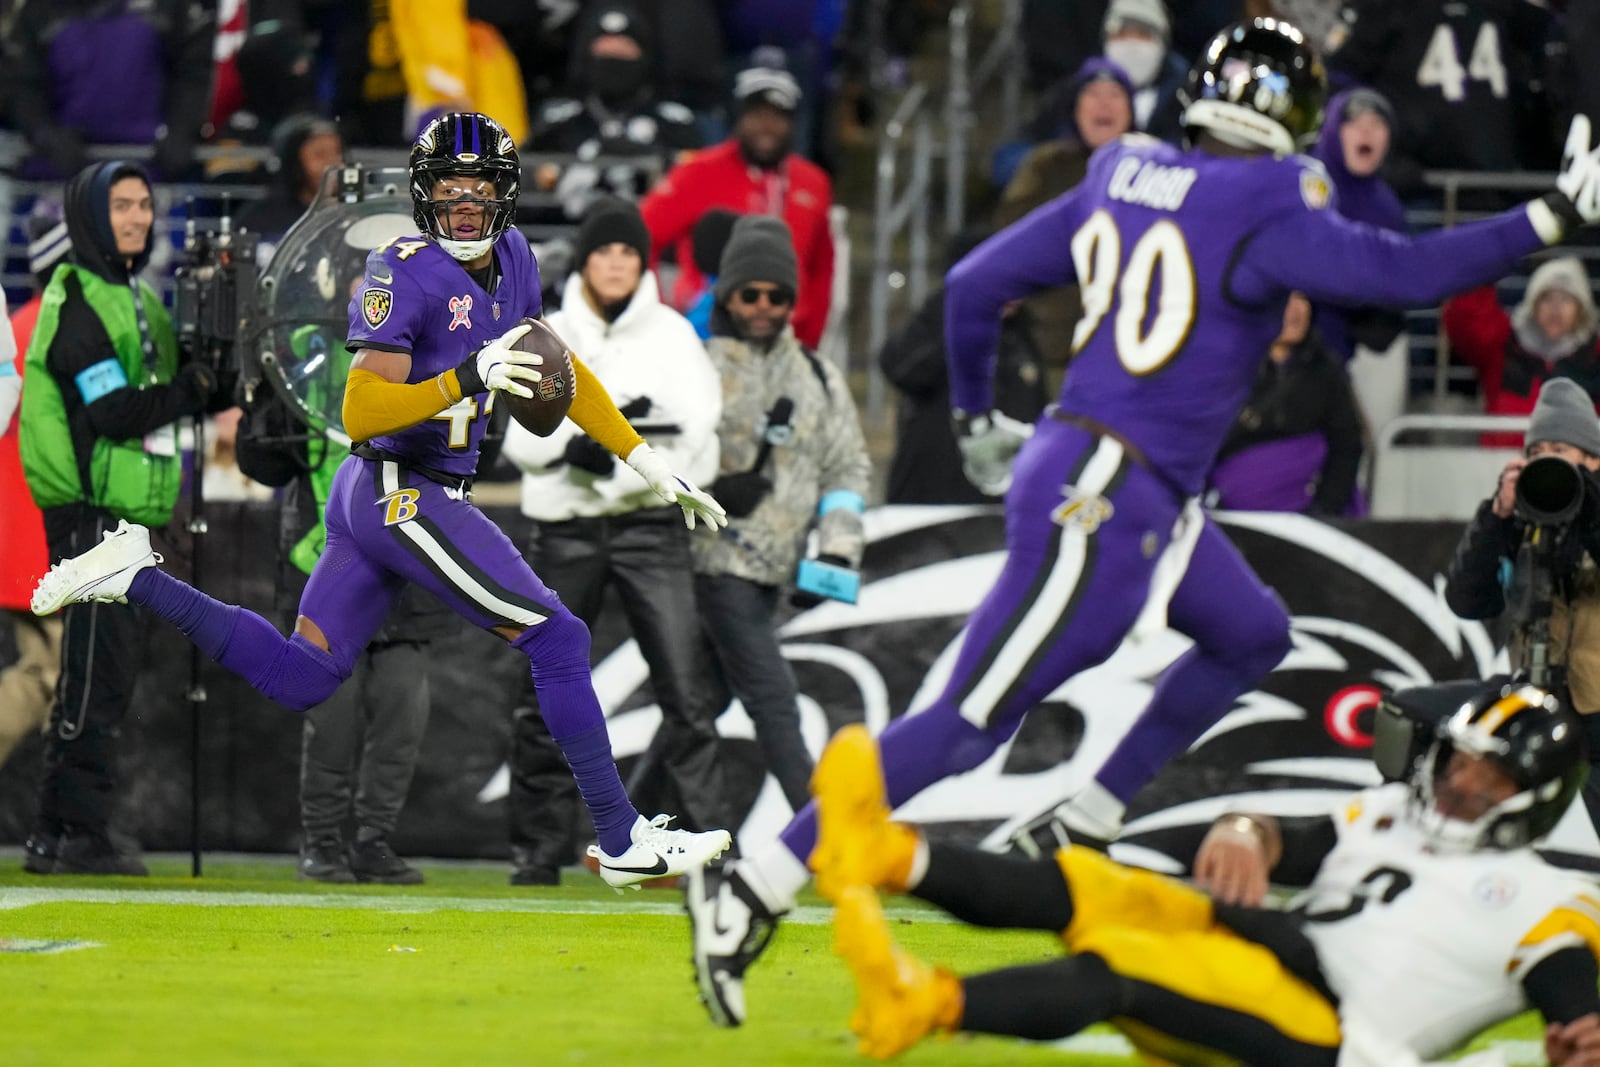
x: 1185, y: 258
x: 431, y: 350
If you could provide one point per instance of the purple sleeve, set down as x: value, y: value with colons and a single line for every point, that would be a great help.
x: 386, y: 311
x: 1331, y: 259
x: 1032, y: 253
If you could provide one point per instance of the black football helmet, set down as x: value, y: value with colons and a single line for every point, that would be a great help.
x: 1524, y: 731
x: 1257, y: 85
x: 464, y: 144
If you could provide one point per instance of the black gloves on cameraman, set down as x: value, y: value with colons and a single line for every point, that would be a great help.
x: 741, y: 493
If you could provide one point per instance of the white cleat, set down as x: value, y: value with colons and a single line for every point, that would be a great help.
x: 103, y: 573
x: 658, y: 852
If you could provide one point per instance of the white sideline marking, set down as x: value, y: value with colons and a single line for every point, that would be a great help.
x: 1104, y: 1044
x: 13, y: 897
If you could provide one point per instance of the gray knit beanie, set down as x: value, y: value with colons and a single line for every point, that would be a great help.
x: 1565, y: 415
x: 759, y: 250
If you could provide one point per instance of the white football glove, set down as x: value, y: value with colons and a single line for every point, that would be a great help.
x: 696, y: 503
x: 988, y: 444
x: 499, y: 366
x: 1580, y: 171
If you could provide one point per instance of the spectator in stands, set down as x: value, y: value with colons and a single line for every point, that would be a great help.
x: 926, y: 468
x: 1562, y: 424
x: 303, y: 148
x: 792, y: 456
x: 276, y: 80
x: 99, y: 445
x: 1551, y: 333
x: 691, y: 58
x: 1100, y: 110
x: 754, y: 172
x: 597, y: 525
x: 452, y: 62
x: 79, y: 73
x: 1297, y: 442
x: 1353, y: 145
x: 1459, y: 79
x: 358, y: 748
x: 1138, y: 38
x: 26, y: 686
x: 369, y: 94
x: 707, y: 240
x: 613, y: 110
x: 797, y: 35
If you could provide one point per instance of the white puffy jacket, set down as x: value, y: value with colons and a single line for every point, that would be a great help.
x: 650, y: 350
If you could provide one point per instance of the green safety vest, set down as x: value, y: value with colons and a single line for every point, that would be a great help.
x: 124, y: 479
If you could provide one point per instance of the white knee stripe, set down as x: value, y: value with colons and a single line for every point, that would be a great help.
x: 1053, y: 598
x: 463, y: 582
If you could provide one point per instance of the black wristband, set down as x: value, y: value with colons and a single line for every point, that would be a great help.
x: 467, y: 376
x: 1565, y: 210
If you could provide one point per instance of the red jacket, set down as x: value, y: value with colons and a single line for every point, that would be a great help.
x: 720, y: 177
x: 21, y: 526
x: 1480, y: 334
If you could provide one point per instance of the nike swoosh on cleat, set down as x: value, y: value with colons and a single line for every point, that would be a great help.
x: 659, y: 868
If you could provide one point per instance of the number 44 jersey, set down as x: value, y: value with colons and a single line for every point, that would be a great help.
x: 1184, y: 260
x: 1425, y: 947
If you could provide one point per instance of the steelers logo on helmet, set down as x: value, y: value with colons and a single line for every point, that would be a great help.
x: 1258, y: 84
x: 465, y: 176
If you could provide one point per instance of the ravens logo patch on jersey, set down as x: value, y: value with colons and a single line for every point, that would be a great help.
x: 375, y: 306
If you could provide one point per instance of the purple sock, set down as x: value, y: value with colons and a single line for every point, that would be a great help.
x: 917, y: 751
x: 1192, y: 695
x: 240, y: 640
x: 558, y: 655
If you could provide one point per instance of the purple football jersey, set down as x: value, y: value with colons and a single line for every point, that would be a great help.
x: 417, y: 299
x: 1184, y: 261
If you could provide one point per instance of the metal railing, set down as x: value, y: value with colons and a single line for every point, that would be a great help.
x: 893, y: 214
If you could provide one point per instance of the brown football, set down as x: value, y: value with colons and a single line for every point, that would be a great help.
x: 552, y: 394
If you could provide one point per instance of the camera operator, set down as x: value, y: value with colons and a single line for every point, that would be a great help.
x: 99, y: 445
x: 1519, y: 553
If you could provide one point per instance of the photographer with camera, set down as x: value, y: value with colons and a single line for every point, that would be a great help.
x: 1533, y: 547
x: 99, y: 445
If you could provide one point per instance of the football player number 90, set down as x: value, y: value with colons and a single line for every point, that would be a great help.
x: 1159, y: 255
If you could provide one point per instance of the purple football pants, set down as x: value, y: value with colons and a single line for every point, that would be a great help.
x: 388, y: 526
x: 1085, y: 527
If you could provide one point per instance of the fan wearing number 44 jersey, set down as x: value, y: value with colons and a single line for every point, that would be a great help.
x: 1426, y: 916
x: 429, y: 329
x: 1185, y: 259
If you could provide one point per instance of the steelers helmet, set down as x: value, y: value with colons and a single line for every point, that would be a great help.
x: 1525, y: 731
x: 1258, y: 84
x: 464, y: 144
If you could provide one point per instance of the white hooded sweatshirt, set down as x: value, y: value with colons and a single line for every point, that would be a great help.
x: 649, y: 351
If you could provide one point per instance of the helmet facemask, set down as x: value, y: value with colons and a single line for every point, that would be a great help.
x: 464, y: 167
x: 1540, y: 756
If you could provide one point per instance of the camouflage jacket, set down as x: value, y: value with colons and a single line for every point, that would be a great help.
x: 823, y: 453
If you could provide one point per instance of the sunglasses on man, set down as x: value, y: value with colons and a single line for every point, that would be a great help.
x: 777, y: 297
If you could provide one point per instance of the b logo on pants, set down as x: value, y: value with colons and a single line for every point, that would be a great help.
x: 399, y: 506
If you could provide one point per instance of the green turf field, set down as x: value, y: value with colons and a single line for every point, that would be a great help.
x: 247, y: 966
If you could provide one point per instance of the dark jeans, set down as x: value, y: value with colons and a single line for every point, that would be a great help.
x: 362, y: 743
x: 736, y: 616
x: 101, y: 651
x: 646, y: 554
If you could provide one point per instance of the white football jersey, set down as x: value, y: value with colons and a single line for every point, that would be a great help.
x: 1428, y: 948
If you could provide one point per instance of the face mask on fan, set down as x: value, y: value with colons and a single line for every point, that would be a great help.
x: 616, y: 79
x: 1141, y: 60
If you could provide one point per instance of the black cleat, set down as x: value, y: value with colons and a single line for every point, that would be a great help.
x: 91, y: 853
x: 375, y: 861
x: 730, y: 928
x: 39, y: 852
x: 325, y: 860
